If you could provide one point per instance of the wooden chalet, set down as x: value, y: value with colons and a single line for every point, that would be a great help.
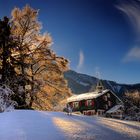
x: 94, y: 103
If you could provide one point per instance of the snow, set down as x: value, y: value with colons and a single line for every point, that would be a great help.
x: 43, y: 125
x: 6, y: 91
x: 85, y: 96
x: 112, y: 87
x: 114, y: 109
x: 6, y: 104
x: 90, y: 95
x: 118, y: 88
x: 83, y: 83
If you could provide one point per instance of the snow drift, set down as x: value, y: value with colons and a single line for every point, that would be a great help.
x: 6, y: 104
x: 43, y: 125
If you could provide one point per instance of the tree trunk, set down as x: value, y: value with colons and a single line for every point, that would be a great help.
x: 32, y: 88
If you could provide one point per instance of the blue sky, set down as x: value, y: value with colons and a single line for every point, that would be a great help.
x: 95, y: 35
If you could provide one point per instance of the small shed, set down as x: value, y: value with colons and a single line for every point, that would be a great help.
x: 116, y: 112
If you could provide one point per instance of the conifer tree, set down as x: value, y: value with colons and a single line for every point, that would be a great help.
x: 6, y: 46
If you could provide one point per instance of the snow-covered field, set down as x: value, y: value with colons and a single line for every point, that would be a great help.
x: 40, y: 125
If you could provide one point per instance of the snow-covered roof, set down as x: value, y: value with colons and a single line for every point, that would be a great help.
x: 114, y: 109
x: 85, y: 96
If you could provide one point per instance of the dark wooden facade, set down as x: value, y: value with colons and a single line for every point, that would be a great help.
x: 100, y: 103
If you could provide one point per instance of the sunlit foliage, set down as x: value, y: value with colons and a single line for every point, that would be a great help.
x: 35, y: 63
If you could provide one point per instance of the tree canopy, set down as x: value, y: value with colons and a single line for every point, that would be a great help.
x: 28, y: 64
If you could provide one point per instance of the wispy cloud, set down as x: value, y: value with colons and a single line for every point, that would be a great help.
x: 132, y: 55
x: 81, y: 60
x: 131, y: 8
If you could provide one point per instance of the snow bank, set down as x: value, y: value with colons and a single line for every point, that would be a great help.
x: 6, y: 104
x: 43, y: 125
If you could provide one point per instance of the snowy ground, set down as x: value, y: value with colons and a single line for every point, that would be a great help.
x: 38, y: 125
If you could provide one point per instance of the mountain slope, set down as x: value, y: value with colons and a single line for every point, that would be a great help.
x: 80, y: 83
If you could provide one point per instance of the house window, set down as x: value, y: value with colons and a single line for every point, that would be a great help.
x: 108, y: 95
x: 90, y: 103
x: 109, y: 103
x: 71, y: 104
x: 106, y: 106
x: 76, y: 104
x: 105, y: 97
x: 100, y: 112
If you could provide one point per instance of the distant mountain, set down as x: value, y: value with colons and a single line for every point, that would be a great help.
x: 81, y: 83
